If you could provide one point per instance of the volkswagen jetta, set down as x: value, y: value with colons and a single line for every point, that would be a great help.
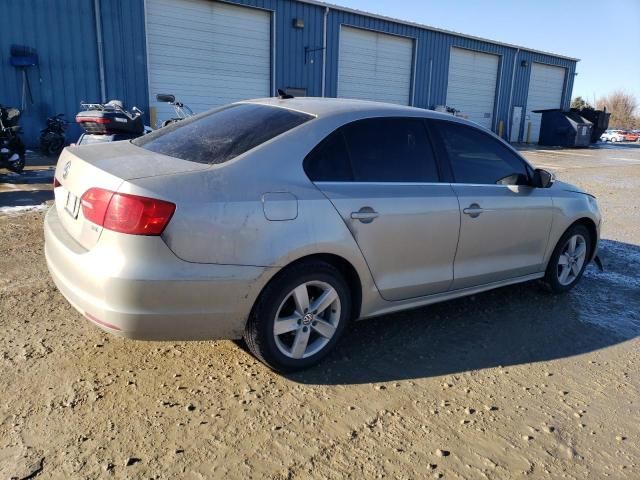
x: 281, y: 220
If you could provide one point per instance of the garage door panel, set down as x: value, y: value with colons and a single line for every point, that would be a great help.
x: 201, y: 87
x: 207, y: 53
x: 193, y: 9
x: 195, y: 63
x: 546, y: 86
x: 374, y: 66
x: 471, y: 86
x: 195, y: 31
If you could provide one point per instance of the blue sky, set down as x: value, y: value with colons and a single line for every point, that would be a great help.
x: 604, y: 34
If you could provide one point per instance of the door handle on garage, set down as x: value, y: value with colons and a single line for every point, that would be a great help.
x: 365, y: 215
x: 473, y: 210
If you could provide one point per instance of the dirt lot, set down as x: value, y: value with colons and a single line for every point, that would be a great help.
x: 508, y: 384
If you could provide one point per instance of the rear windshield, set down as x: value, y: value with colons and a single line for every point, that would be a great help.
x: 217, y: 136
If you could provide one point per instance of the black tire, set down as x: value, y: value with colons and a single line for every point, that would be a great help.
x: 259, y: 334
x: 18, y: 166
x: 51, y: 144
x: 551, y: 279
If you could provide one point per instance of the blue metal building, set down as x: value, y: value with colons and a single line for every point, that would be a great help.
x: 208, y: 52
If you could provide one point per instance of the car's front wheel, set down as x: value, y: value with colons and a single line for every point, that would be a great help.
x: 299, y: 317
x: 569, y: 260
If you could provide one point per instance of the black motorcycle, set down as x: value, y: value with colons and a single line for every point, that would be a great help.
x: 52, y: 137
x: 12, y: 150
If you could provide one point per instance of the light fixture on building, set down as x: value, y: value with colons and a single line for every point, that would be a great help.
x: 298, y: 23
x: 524, y: 63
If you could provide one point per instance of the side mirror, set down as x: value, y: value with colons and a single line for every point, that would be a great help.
x: 165, y: 97
x: 542, y: 178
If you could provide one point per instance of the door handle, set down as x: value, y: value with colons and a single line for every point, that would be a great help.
x: 474, y: 210
x: 365, y: 215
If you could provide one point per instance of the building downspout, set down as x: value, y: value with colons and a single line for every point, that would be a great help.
x: 324, y: 51
x: 513, y: 79
x: 429, y: 86
x: 103, y: 88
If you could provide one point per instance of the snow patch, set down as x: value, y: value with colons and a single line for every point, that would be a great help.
x: 22, y: 209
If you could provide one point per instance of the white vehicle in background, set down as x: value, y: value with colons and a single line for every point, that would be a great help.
x: 612, y: 136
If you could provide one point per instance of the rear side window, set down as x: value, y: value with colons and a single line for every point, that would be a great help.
x: 478, y: 158
x: 329, y: 161
x: 220, y: 135
x: 375, y: 150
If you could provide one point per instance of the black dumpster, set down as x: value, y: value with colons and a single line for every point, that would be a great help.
x: 564, y: 129
x: 599, y: 118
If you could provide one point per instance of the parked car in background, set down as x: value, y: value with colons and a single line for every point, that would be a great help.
x: 631, y: 136
x: 612, y: 136
x: 282, y: 220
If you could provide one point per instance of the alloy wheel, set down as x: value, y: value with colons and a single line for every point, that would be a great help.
x: 307, y: 319
x: 572, y: 259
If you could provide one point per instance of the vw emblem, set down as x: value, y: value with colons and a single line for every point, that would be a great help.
x: 307, y: 319
x: 65, y: 170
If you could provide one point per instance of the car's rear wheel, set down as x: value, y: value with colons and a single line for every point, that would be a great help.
x: 569, y: 260
x: 299, y: 317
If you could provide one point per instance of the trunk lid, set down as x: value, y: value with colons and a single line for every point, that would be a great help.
x: 106, y: 166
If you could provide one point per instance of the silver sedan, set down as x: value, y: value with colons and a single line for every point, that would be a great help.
x: 282, y: 220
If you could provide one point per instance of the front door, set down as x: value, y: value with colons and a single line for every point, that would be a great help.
x: 503, y: 233
x: 381, y: 176
x: 505, y: 222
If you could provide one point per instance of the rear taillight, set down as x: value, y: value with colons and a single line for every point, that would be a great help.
x: 101, y: 121
x: 95, y: 202
x: 56, y: 182
x: 126, y: 213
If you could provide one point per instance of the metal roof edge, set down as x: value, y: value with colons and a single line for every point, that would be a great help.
x: 433, y: 29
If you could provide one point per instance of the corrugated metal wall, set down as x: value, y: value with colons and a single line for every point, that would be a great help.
x: 64, y: 34
x: 125, y: 54
x: 432, y: 66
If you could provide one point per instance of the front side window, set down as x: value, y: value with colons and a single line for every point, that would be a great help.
x: 477, y: 158
x: 375, y: 150
x: 220, y: 135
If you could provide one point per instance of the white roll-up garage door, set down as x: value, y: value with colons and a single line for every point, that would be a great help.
x: 472, y: 85
x: 206, y: 53
x: 546, y: 86
x: 375, y: 66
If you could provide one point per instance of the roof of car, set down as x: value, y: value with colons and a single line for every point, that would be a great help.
x: 323, y: 107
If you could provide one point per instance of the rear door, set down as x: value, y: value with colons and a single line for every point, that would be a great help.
x: 381, y: 176
x: 505, y: 222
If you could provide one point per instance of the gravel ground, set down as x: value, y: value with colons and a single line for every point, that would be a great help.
x: 506, y: 384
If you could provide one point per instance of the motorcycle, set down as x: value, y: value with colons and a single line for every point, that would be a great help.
x: 109, y: 122
x: 52, y: 137
x: 182, y: 111
x: 12, y: 150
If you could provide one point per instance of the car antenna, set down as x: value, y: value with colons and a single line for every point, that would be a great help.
x: 282, y: 95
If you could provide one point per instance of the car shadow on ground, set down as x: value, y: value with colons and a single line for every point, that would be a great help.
x: 27, y: 177
x: 509, y: 326
x: 24, y: 198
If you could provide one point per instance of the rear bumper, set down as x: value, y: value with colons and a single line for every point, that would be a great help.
x: 135, y: 287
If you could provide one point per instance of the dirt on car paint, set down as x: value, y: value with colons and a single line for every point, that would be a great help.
x: 510, y: 383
